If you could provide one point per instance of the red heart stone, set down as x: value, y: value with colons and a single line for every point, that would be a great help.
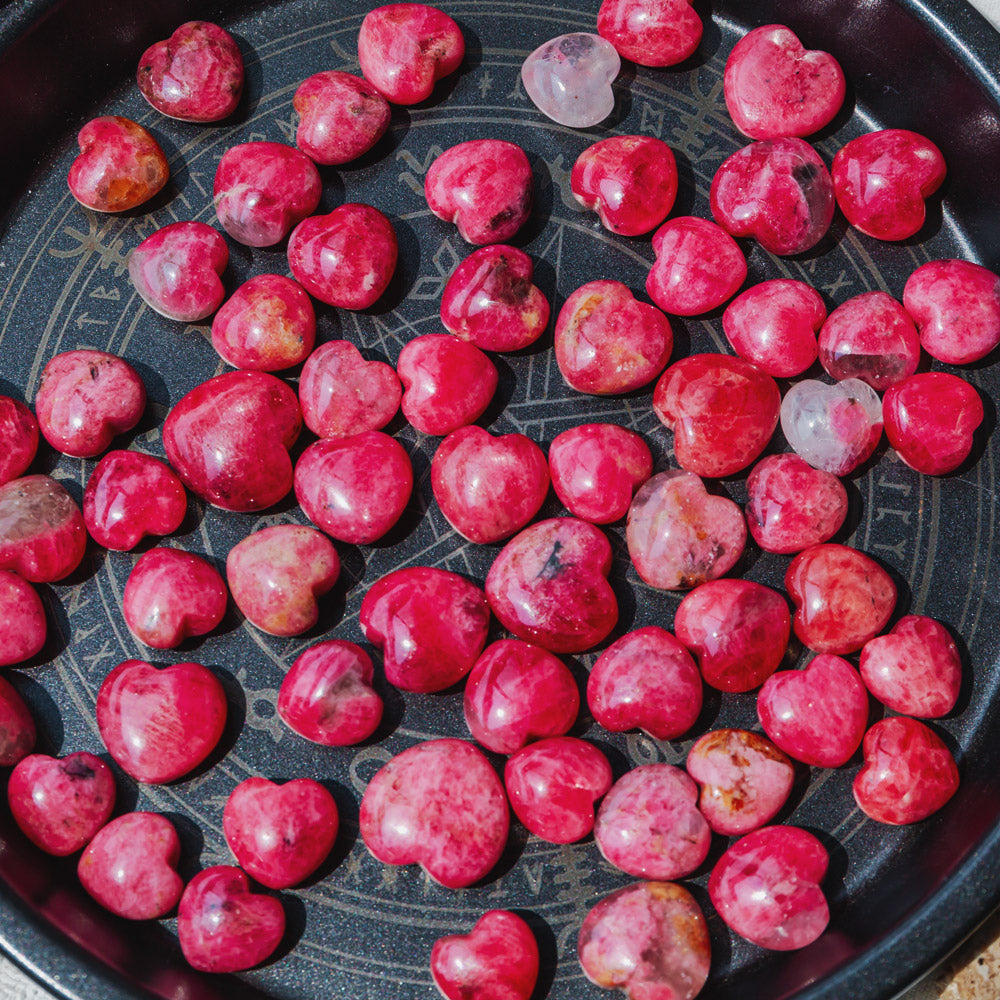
x: 651, y: 32
x: 17, y: 726
x: 23, y: 615
x: 18, y: 439
x: 341, y: 116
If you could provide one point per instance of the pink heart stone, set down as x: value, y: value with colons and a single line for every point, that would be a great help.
x: 17, y: 726
x: 817, y: 715
x: 60, y: 803
x: 766, y: 888
x: 649, y: 939
x: 679, y: 535
x: 130, y: 867
x: 23, y: 615
x: 649, y: 824
x: 496, y: 960
x: 280, y: 834
x: 549, y: 585
x: 160, y: 724
x: 438, y: 804
x: 18, y: 439
x: 651, y: 32
x: 223, y: 926
x: 177, y: 271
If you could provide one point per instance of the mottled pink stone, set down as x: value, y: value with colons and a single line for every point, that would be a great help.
x: 343, y: 394
x: 722, y: 410
x: 130, y: 495
x: 85, y: 398
x: 18, y: 439
x: 280, y: 834
x: 276, y: 574
x: 120, y: 166
x: 447, y: 383
x: 744, y: 778
x: 908, y: 772
x: 438, y: 804
x: 430, y: 624
x: 483, y: 186
x: 195, y: 75
x: 553, y: 786
x: 629, y: 180
x: 835, y: 428
x: 160, y: 723
x: 61, y: 802
x: 774, y: 325
x: 229, y: 439
x: 817, y: 715
x: 698, y: 266
x: 842, y: 597
x: 930, y: 419
x: 171, y: 596
x: 497, y: 960
x: 766, y: 887
x: 345, y: 259
x: 130, y: 867
x: 341, y: 116
x: 649, y: 825
x: 17, y: 726
x: 596, y: 469
x: 517, y: 693
x: 956, y: 306
x: 607, y: 342
x: 23, y: 615
x: 223, y: 926
x: 870, y: 337
x: 268, y: 324
x: 915, y: 670
x: 680, y: 535
x: 354, y: 488
x: 327, y: 695
x: 738, y: 629
x: 651, y: 32
x: 791, y: 505
x: 489, y: 300
x: 549, y: 585
x: 177, y: 271
x: 488, y: 487
x: 42, y: 534
x: 881, y: 180
x: 775, y: 87
x: 778, y: 191
x: 405, y: 48
x: 569, y: 78
x: 645, y: 680
x: 264, y: 189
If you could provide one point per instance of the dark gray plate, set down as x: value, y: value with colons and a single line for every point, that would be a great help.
x: 900, y: 897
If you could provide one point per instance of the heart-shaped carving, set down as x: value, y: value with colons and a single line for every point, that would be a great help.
x: 680, y: 535
x: 195, y: 75
x: 775, y: 87
x: 549, y: 585
x: 130, y: 867
x: 342, y: 394
x: 766, y: 887
x: 229, y: 437
x: 60, y: 803
x: 430, y: 624
x: 817, y: 715
x: 341, y: 116
x: 484, y: 186
x: 159, y: 724
x: 176, y: 271
x: 18, y: 439
x: 17, y: 726
x: 223, y: 926
x: 438, y: 804
x: 345, y: 259
x: 120, y: 166
x: 658, y: 33
x: 25, y: 625
x: 488, y: 487
x: 649, y: 939
x: 569, y: 78
x: 497, y: 958
x: 280, y: 834
x: 276, y: 574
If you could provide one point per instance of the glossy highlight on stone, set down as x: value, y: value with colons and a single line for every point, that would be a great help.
x: 17, y: 726
x: 23, y: 615
x: 341, y: 117
x: 651, y: 32
x: 18, y: 439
